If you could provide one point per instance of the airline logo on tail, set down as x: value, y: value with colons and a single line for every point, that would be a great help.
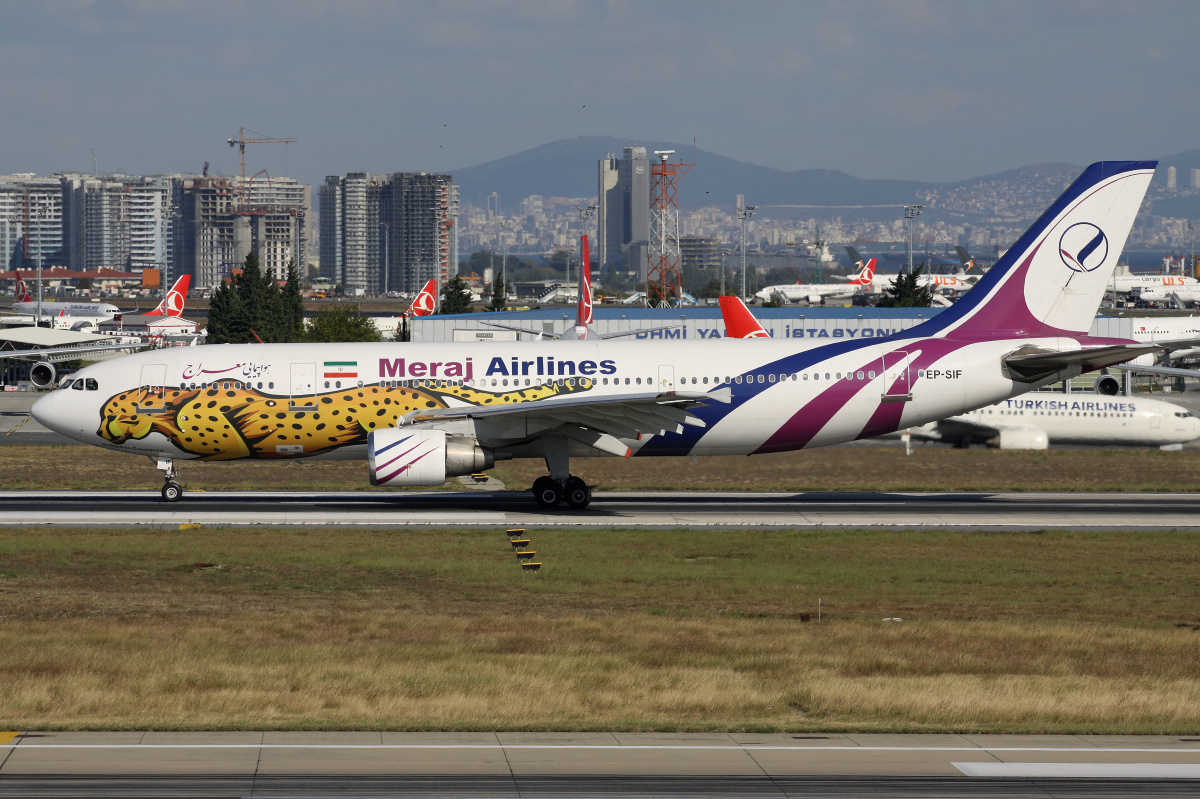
x: 739, y: 322
x: 584, y: 317
x: 1083, y: 247
x: 867, y: 276
x: 22, y: 292
x: 426, y: 301
x: 173, y: 304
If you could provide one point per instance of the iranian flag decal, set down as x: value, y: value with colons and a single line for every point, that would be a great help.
x: 341, y: 369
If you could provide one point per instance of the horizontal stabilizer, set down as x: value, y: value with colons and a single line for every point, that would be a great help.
x: 1035, y: 367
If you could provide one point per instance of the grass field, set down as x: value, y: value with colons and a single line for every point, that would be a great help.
x: 833, y: 469
x: 265, y: 628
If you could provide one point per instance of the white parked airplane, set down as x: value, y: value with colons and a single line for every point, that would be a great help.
x: 1179, y: 336
x: 417, y: 413
x: 1153, y: 288
x: 1035, y: 421
x: 1181, y: 296
x: 817, y: 293
x: 27, y: 304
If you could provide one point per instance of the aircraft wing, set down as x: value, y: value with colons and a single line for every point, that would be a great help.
x: 1165, y: 371
x: 1030, y: 368
x: 961, y: 426
x: 598, y: 422
x: 58, y: 354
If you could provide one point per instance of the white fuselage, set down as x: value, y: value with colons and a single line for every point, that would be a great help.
x: 1124, y: 284
x: 779, y: 389
x: 102, y: 310
x: 1093, y: 419
x: 808, y: 292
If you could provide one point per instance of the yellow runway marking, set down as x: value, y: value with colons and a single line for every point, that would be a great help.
x: 6, y: 737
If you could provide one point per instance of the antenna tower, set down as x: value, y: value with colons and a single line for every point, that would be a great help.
x: 664, y: 273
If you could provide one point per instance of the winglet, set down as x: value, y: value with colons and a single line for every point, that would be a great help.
x: 739, y: 322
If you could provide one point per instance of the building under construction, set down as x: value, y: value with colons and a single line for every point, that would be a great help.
x: 382, y: 234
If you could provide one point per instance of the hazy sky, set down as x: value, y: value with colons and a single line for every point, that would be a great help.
x: 915, y: 89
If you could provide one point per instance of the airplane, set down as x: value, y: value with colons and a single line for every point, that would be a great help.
x: 1181, y: 295
x: 1035, y: 421
x: 27, y: 304
x: 875, y: 283
x: 172, y: 304
x: 817, y: 293
x: 419, y: 413
x: 1153, y: 288
x: 1179, y: 336
x: 425, y: 302
x: 49, y: 346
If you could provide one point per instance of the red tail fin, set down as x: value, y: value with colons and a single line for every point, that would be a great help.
x: 739, y: 322
x: 176, y: 297
x: 866, y: 276
x: 22, y: 292
x: 584, y: 316
x: 426, y: 301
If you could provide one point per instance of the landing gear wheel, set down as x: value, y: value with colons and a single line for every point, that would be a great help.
x: 171, y: 491
x: 578, y: 495
x: 547, y: 492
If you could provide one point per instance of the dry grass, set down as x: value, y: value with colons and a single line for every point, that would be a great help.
x: 355, y: 629
x: 834, y: 469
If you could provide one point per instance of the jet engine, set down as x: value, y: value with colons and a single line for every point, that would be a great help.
x: 815, y: 299
x: 1024, y: 438
x: 1107, y: 385
x: 408, y: 456
x: 42, y: 374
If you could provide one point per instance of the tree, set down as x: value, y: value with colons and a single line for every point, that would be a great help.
x: 906, y: 292
x: 260, y: 296
x: 227, y: 320
x: 342, y: 323
x: 290, y: 326
x: 499, y: 296
x: 456, y: 297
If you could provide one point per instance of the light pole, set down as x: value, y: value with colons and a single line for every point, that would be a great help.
x: 584, y: 215
x: 911, y: 212
x: 743, y: 215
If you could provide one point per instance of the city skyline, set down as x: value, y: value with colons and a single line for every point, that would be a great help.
x: 934, y: 91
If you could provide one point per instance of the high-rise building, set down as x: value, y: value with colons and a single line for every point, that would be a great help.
x: 116, y: 222
x: 388, y: 233
x: 700, y: 252
x: 1196, y: 178
x: 31, y: 214
x: 624, y: 208
x: 1172, y: 178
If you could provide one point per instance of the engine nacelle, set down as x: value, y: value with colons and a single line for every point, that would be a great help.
x: 814, y: 299
x: 1024, y: 438
x: 1149, y: 359
x: 407, y: 456
x: 42, y: 374
x: 1107, y: 385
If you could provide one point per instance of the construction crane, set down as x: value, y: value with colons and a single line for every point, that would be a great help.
x: 241, y: 141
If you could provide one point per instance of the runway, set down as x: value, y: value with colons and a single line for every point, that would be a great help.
x: 594, y: 764
x: 609, y: 509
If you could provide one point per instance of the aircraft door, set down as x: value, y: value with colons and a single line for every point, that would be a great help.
x: 666, y: 377
x: 304, y: 387
x: 896, y: 384
x: 152, y: 389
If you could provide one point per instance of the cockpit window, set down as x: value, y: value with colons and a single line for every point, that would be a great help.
x: 92, y: 385
x: 65, y: 384
x: 78, y: 385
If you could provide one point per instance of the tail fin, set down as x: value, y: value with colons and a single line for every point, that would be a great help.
x: 867, y: 276
x: 965, y: 258
x: 855, y: 258
x: 426, y: 300
x: 175, y: 300
x: 584, y: 317
x: 739, y: 322
x: 1052, y: 280
x: 22, y: 292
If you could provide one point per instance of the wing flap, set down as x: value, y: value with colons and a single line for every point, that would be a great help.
x: 1030, y: 368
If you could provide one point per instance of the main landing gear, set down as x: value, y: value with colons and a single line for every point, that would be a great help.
x: 560, y: 484
x: 549, y: 492
x: 171, y: 490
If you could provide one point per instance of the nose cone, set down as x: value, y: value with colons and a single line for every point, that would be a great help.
x: 43, y: 410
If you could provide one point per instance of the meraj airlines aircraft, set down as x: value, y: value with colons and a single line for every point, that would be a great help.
x: 417, y: 413
x: 27, y: 304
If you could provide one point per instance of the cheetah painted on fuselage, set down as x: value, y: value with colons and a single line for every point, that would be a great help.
x: 227, y: 424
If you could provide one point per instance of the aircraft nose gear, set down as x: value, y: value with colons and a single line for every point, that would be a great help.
x: 171, y: 490
x: 549, y: 493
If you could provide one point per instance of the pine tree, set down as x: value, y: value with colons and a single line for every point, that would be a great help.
x: 342, y: 323
x: 227, y: 320
x: 906, y: 292
x: 260, y: 296
x: 291, y: 307
x: 499, y: 296
x: 456, y: 297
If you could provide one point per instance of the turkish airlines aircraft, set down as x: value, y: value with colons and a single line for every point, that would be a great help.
x: 816, y: 293
x: 417, y: 413
x: 425, y: 302
x: 173, y: 304
x: 1178, y: 294
x: 27, y: 304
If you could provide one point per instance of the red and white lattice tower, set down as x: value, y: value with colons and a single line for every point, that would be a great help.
x: 664, y: 285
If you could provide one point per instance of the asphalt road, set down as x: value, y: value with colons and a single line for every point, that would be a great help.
x: 608, y: 509
x: 594, y: 764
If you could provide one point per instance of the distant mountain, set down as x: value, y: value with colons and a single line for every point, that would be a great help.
x: 568, y: 168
